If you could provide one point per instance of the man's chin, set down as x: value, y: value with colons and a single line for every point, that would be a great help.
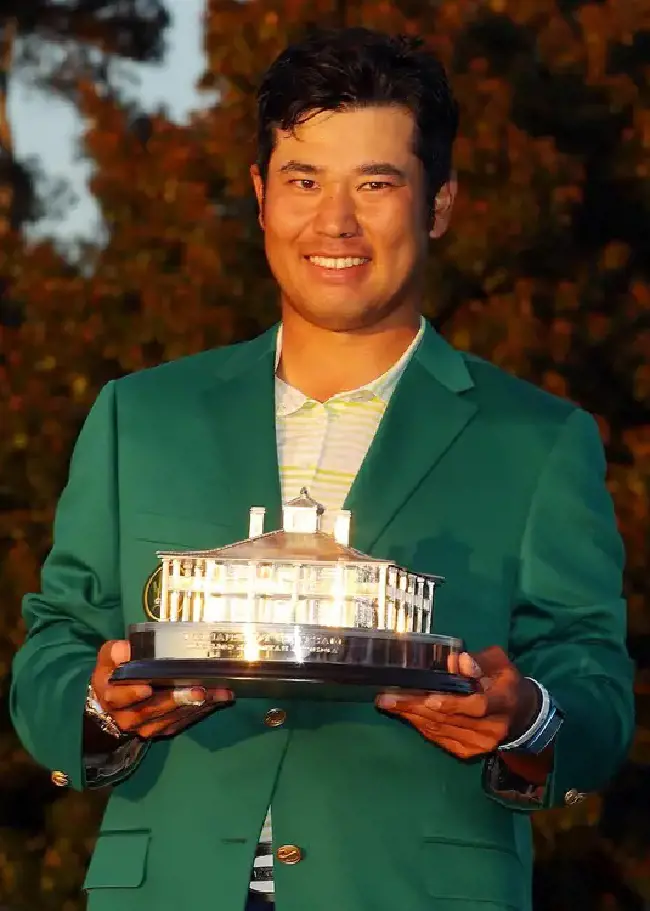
x: 335, y: 316
x: 341, y: 322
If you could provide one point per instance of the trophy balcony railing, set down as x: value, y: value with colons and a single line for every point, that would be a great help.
x: 399, y: 617
x: 373, y: 596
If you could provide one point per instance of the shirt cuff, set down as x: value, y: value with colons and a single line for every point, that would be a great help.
x: 104, y: 769
x: 500, y: 781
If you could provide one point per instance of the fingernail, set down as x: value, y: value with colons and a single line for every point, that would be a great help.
x: 387, y: 702
x: 143, y: 692
x: 121, y: 652
x: 434, y: 702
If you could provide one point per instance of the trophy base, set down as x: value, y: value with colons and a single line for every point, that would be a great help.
x: 340, y: 683
x: 291, y: 661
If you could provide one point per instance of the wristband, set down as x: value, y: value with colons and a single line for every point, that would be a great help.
x: 543, y: 729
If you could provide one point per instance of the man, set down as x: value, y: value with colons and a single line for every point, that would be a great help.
x: 448, y: 465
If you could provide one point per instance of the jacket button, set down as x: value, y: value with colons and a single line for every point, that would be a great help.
x: 275, y: 717
x: 60, y: 779
x: 572, y: 797
x: 289, y: 854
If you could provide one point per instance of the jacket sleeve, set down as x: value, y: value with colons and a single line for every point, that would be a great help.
x: 79, y: 605
x: 569, y: 624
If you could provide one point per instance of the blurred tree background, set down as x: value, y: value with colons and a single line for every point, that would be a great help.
x: 546, y: 273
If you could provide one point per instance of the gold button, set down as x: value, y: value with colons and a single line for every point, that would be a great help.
x: 572, y: 797
x: 275, y: 717
x: 60, y: 779
x: 289, y: 854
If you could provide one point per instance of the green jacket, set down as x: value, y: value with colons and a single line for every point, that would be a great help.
x: 473, y: 475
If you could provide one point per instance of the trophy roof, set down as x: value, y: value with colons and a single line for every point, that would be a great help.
x: 285, y: 546
x: 304, y: 501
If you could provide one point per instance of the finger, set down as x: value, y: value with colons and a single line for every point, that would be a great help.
x: 469, y: 742
x: 163, y: 704
x: 198, y: 695
x: 474, y: 706
x: 491, y: 660
x: 461, y: 750
x: 195, y: 696
x: 453, y: 663
x: 123, y: 696
x: 501, y: 697
x: 491, y: 726
x: 106, y: 664
x: 187, y: 717
x: 120, y: 652
x: 468, y: 667
x: 161, y: 727
x: 178, y: 720
x: 160, y: 724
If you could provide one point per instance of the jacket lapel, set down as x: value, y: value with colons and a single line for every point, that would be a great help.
x: 426, y: 413
x: 241, y: 415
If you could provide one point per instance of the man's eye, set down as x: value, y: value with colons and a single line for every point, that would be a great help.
x: 303, y: 183
x: 377, y: 185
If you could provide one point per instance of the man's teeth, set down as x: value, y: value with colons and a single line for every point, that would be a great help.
x: 339, y: 262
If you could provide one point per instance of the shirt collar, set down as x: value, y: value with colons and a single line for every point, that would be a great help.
x: 289, y: 399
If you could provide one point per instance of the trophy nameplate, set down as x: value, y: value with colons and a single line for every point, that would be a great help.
x: 292, y: 613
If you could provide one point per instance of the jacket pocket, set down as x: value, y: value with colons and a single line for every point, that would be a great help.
x: 119, y: 861
x: 460, y: 871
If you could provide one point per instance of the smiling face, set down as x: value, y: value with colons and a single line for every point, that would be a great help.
x: 345, y: 220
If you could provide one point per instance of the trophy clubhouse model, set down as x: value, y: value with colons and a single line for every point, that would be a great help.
x: 295, y: 612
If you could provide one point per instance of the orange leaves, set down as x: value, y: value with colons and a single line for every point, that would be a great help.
x: 503, y: 329
x: 557, y: 44
x: 616, y: 255
x: 533, y: 276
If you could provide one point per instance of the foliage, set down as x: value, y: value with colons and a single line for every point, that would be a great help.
x: 52, y: 44
x: 111, y: 29
x: 545, y: 273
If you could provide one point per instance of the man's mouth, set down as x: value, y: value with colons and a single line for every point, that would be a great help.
x: 338, y: 262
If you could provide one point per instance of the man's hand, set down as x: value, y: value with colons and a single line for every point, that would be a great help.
x: 136, y: 709
x: 470, y: 726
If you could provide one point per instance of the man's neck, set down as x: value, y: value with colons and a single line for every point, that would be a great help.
x: 321, y: 363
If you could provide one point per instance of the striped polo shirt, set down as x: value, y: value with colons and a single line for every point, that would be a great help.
x: 321, y: 446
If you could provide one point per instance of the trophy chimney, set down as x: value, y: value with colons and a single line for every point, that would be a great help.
x: 256, y: 526
x: 342, y: 527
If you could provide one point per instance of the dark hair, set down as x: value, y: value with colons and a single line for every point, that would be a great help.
x: 335, y: 69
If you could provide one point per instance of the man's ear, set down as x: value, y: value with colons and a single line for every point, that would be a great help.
x: 443, y: 207
x: 258, y: 186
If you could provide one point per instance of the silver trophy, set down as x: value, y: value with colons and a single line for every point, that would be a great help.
x: 295, y: 612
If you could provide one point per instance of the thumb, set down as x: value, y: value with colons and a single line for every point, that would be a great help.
x: 491, y: 661
x: 120, y: 652
x: 468, y: 666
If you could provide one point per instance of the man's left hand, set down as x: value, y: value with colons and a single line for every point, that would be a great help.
x: 467, y: 726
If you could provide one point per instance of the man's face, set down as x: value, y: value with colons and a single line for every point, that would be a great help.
x: 345, y: 218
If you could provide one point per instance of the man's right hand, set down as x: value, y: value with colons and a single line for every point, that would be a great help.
x: 139, y: 710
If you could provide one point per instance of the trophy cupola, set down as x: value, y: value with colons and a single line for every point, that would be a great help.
x: 302, y: 514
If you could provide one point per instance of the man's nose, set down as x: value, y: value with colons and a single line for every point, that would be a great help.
x: 337, y: 216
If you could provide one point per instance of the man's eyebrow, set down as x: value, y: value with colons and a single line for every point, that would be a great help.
x: 371, y: 169
x: 301, y: 166
x: 381, y: 169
